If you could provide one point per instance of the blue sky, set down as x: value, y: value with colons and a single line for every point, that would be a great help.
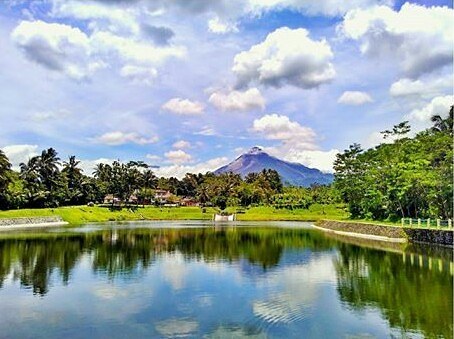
x: 189, y: 85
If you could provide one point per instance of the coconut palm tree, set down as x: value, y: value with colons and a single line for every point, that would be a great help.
x: 443, y: 125
x: 72, y: 172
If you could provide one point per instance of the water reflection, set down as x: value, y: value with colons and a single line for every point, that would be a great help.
x: 194, y: 282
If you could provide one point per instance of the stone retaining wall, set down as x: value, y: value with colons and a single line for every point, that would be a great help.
x: 369, y: 229
x: 430, y: 236
x: 30, y: 221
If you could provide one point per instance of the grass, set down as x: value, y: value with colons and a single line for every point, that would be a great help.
x: 83, y: 214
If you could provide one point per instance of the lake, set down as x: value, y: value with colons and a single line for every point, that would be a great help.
x: 190, y: 279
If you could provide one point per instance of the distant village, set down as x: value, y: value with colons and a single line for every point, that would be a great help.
x: 160, y: 197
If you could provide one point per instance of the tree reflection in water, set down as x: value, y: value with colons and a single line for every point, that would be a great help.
x: 412, y: 294
x: 33, y: 259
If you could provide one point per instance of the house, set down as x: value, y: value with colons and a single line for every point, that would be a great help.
x: 111, y: 200
x: 162, y: 196
x: 188, y: 201
x: 133, y: 199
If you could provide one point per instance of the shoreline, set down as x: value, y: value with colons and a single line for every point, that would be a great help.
x: 396, y: 234
x: 361, y: 235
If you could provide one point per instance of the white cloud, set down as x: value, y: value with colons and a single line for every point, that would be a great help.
x: 286, y: 57
x: 179, y: 171
x: 238, y: 101
x: 49, y: 115
x: 408, y: 87
x: 88, y: 166
x: 181, y: 144
x: 119, y: 138
x: 117, y: 19
x: 322, y: 160
x: 183, y: 106
x: 311, y: 7
x: 418, y: 38
x: 69, y: 50
x: 376, y: 138
x: 19, y: 153
x: 216, y: 25
x: 57, y: 47
x: 354, y: 98
x: 280, y: 127
x: 438, y: 106
x: 178, y: 156
x: 298, y: 143
x: 133, y: 50
x: 139, y: 74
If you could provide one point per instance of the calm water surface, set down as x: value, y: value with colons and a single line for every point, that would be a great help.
x: 258, y: 280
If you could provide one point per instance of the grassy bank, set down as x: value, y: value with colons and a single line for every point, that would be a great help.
x: 83, y: 214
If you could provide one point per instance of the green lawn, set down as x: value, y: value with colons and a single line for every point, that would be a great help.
x: 83, y: 214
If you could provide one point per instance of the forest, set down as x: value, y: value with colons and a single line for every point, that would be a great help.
x: 409, y: 177
x: 402, y: 177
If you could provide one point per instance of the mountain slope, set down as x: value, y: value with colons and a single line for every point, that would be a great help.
x: 291, y: 173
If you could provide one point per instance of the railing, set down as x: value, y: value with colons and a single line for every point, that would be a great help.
x: 427, y: 223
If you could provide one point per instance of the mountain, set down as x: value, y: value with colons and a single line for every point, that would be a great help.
x: 291, y: 173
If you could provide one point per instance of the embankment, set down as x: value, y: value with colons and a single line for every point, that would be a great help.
x: 387, y: 233
x: 12, y: 223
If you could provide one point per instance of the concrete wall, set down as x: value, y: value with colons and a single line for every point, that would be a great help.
x: 30, y: 221
x: 430, y: 236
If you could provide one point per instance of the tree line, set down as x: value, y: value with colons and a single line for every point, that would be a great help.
x: 409, y: 177
x: 46, y: 181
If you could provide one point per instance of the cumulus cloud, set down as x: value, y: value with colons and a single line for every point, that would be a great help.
x: 179, y: 171
x: 69, y: 50
x: 183, y: 106
x: 238, y: 100
x: 101, y: 16
x: 354, y: 98
x: 418, y: 38
x: 119, y: 138
x: 280, y: 127
x: 20, y: 153
x: 297, y: 143
x: 57, y: 47
x: 216, y: 25
x: 408, y: 87
x: 88, y: 166
x: 286, y: 57
x: 178, y: 156
x: 438, y: 106
x: 322, y: 160
x: 181, y: 144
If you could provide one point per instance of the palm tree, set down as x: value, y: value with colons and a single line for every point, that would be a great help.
x: 150, y: 180
x: 48, y: 167
x: 73, y: 173
x: 443, y: 125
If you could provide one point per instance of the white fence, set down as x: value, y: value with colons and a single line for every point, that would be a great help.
x: 427, y: 223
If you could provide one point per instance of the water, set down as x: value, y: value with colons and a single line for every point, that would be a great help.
x: 257, y: 280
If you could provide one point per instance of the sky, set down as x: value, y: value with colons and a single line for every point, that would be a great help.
x: 188, y: 85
